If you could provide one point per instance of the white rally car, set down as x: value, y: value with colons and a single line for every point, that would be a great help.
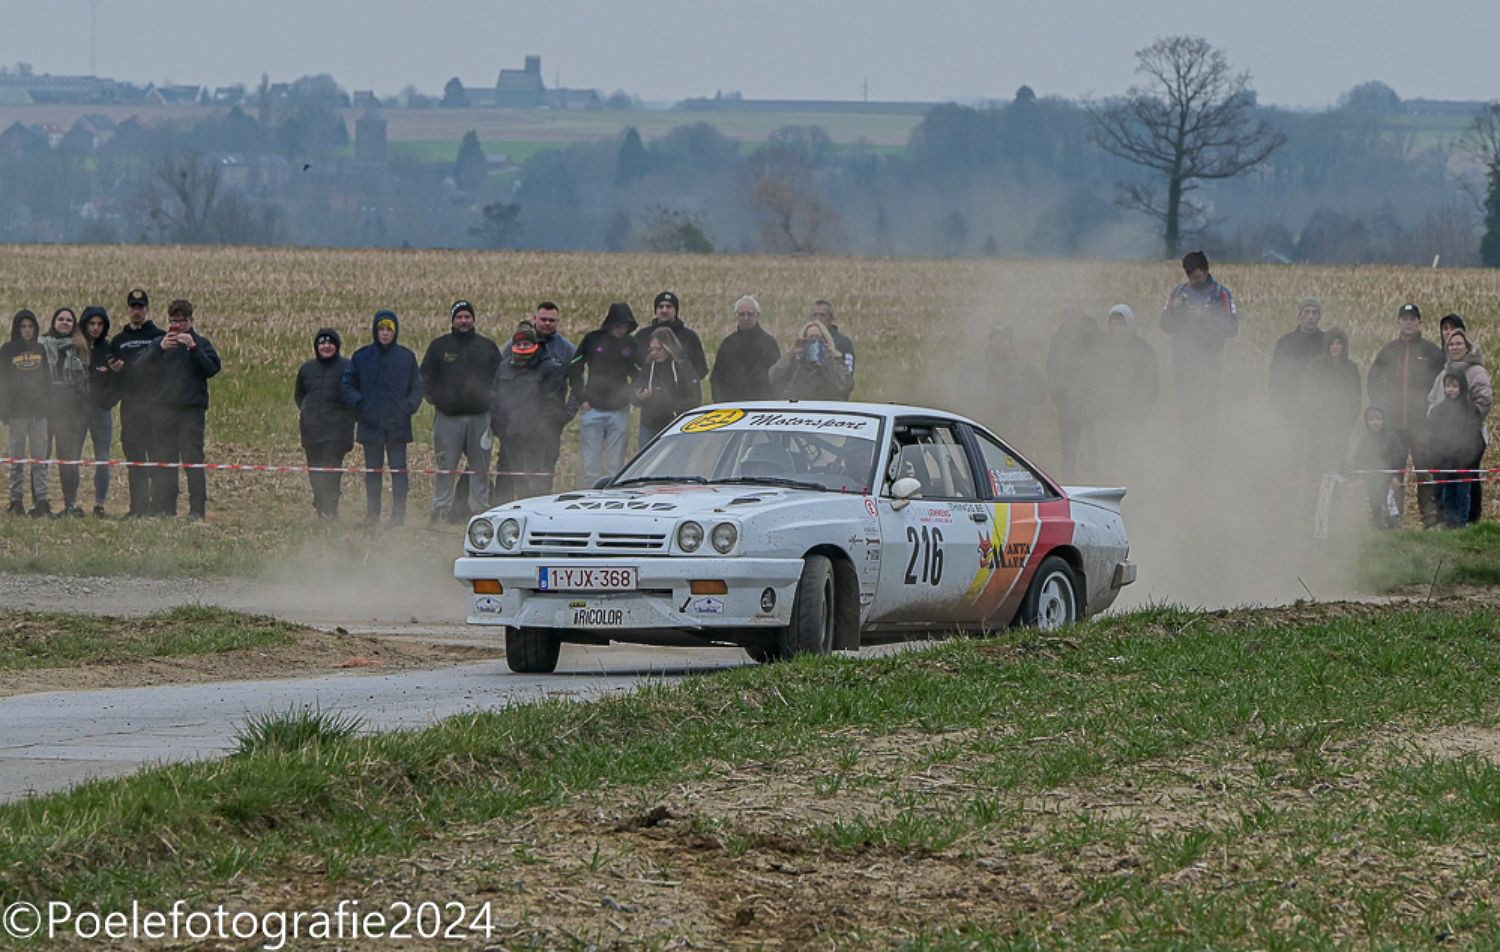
x: 789, y: 528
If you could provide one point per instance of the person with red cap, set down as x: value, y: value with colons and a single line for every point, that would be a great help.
x: 528, y: 410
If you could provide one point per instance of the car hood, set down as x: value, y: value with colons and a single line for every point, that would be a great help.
x: 667, y: 500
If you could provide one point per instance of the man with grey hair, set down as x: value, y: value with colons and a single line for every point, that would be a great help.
x: 743, y: 363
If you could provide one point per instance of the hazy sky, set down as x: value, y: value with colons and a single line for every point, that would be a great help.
x: 1299, y: 52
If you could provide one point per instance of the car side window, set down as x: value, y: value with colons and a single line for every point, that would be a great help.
x: 931, y: 453
x: 1008, y: 476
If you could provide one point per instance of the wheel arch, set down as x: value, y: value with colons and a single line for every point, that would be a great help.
x: 1071, y: 555
x: 846, y: 595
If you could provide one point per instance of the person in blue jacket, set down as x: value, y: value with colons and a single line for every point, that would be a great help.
x: 383, y: 384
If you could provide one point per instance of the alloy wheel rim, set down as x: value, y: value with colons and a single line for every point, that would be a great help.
x: 1054, y: 607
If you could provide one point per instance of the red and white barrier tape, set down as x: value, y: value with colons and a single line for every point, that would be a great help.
x: 1479, y: 475
x: 259, y: 468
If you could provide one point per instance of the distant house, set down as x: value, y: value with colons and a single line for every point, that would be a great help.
x: 87, y: 134
x: 370, y: 138
x: 482, y: 97
x: 46, y: 88
x: 19, y: 138
x: 49, y: 132
x: 574, y: 99
x: 521, y: 88
x: 364, y: 99
x: 229, y: 95
x: 172, y: 95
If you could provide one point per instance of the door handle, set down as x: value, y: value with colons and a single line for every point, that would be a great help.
x: 980, y: 516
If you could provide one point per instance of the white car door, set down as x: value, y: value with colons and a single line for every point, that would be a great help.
x: 929, y: 551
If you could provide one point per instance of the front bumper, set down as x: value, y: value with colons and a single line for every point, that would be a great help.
x: 760, y: 593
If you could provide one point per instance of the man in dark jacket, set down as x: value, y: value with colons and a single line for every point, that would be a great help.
x: 547, y: 319
x: 384, y: 386
x: 599, y: 385
x: 180, y: 361
x: 1199, y: 317
x: 457, y: 372
x: 137, y: 389
x: 745, y: 358
x: 24, y: 391
x: 1398, y: 382
x: 528, y: 410
x: 666, y: 308
x: 1294, y: 350
x: 326, y: 422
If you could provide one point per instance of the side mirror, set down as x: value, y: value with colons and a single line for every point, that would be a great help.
x: 902, y: 491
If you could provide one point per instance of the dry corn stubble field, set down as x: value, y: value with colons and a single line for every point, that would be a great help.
x: 920, y: 327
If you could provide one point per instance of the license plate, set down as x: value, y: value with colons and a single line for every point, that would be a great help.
x: 592, y: 617
x: 586, y: 578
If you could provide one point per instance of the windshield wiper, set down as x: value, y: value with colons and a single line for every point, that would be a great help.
x: 695, y: 480
x: 774, y: 481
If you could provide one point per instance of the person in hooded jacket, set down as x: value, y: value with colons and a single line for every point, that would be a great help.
x: 599, y: 377
x: 68, y: 354
x: 104, y: 393
x: 666, y: 313
x: 457, y: 372
x: 1454, y: 437
x: 528, y: 410
x: 666, y: 385
x: 744, y: 360
x: 1381, y: 456
x: 181, y: 361
x: 325, y: 420
x: 137, y: 389
x: 1464, y: 357
x: 813, y: 368
x: 1294, y: 350
x: 24, y: 394
x: 1329, y: 394
x: 1128, y: 379
x: 1398, y: 381
x: 383, y: 384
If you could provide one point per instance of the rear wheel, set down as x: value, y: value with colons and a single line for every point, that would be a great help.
x: 1052, y: 600
x: 531, y: 650
x: 811, y: 630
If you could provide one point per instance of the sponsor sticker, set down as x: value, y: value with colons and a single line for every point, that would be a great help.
x: 487, y: 604
x: 713, y: 420
x: 768, y: 600
x: 706, y: 606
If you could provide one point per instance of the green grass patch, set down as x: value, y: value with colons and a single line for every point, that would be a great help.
x: 1409, y: 559
x: 1288, y: 708
x: 47, y: 640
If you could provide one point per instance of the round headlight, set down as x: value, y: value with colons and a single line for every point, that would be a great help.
x: 724, y: 536
x: 510, y: 534
x: 689, y: 536
x: 481, y: 533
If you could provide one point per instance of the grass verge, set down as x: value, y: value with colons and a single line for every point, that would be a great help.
x: 54, y: 640
x: 1273, y: 726
x: 1394, y: 561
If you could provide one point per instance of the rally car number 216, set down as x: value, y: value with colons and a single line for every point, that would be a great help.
x: 791, y: 528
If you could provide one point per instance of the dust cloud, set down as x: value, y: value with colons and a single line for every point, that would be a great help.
x: 1220, y: 513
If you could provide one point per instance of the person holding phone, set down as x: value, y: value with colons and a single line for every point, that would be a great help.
x: 813, y: 368
x: 136, y: 391
x: 181, y: 361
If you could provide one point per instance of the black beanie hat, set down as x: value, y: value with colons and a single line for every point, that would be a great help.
x: 669, y: 298
x: 459, y: 307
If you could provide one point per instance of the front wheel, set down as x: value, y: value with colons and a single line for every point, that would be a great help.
x: 532, y: 650
x: 1052, y: 601
x: 811, y: 630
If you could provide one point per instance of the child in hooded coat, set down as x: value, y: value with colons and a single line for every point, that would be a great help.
x: 1382, y: 458
x: 1454, y: 439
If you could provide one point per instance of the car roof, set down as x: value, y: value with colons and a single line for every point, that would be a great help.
x: 886, y: 410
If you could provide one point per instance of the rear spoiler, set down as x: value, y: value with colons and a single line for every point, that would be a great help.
x: 1103, y: 497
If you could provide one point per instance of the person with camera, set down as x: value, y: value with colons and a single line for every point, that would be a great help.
x: 136, y: 389
x: 180, y: 361
x: 813, y: 369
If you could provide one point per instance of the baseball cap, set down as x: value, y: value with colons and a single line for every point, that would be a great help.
x: 1410, y: 310
x: 137, y: 298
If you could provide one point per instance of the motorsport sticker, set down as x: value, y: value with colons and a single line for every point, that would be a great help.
x: 712, y: 420
x: 870, y: 507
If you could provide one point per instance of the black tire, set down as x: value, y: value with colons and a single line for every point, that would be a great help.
x: 1052, y: 601
x: 532, y: 650
x: 813, y: 613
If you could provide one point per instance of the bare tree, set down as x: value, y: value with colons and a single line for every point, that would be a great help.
x: 1193, y: 121
x: 192, y: 186
x: 1482, y: 141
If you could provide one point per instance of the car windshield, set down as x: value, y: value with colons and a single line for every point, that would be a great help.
x: 811, y: 450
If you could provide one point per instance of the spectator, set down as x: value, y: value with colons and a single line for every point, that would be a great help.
x: 1199, y: 317
x: 666, y: 315
x: 1381, y: 456
x: 1294, y: 351
x: 547, y: 320
x: 1449, y: 324
x: 1127, y: 380
x: 666, y: 385
x: 1073, y: 362
x: 813, y: 369
x: 743, y: 364
x: 325, y: 421
x: 23, y: 397
x: 528, y: 410
x: 104, y: 393
x: 599, y: 385
x: 384, y: 386
x: 1464, y: 357
x: 457, y: 372
x: 181, y: 361
x: 822, y: 312
x: 1455, y: 438
x: 68, y: 355
x: 137, y: 390
x: 1012, y: 385
x: 1329, y: 394
x: 1398, y: 382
